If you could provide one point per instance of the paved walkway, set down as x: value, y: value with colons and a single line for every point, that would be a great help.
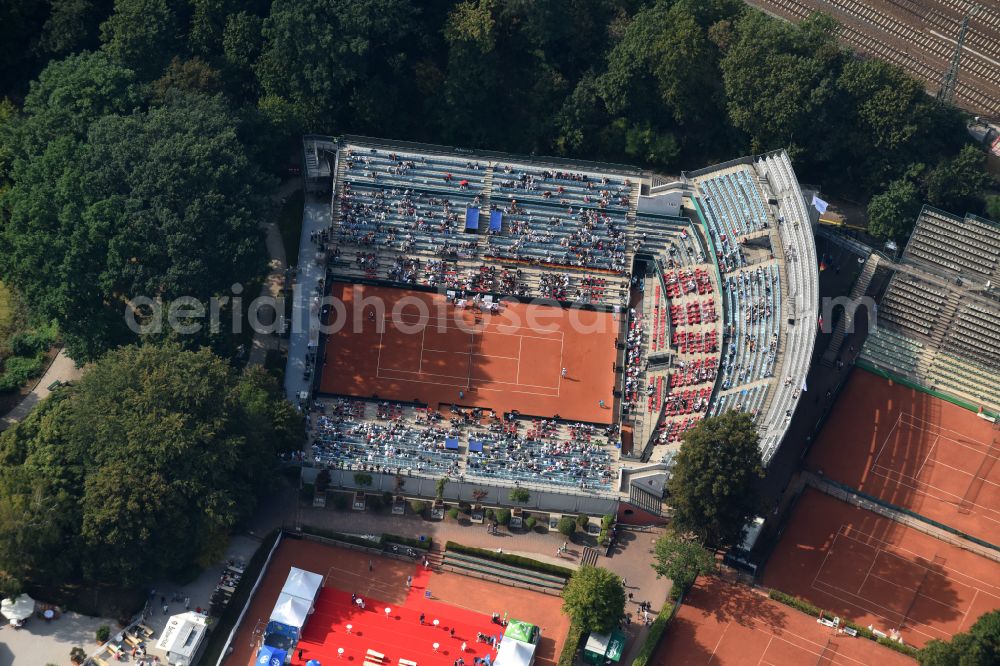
x: 315, y: 217
x: 43, y: 642
x: 63, y: 369
x: 278, y: 264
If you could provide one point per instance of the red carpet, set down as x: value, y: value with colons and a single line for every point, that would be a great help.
x: 400, y: 636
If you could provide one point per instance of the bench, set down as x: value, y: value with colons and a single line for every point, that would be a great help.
x: 133, y: 640
x: 98, y: 661
x: 369, y: 662
x: 378, y: 656
x: 407, y: 662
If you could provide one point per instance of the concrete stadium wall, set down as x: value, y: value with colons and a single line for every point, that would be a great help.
x: 544, y: 500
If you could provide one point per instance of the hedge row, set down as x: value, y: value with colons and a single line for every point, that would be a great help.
x: 383, y: 541
x: 231, y: 613
x: 514, y: 560
x: 572, y: 644
x: 864, y: 632
x: 655, y: 634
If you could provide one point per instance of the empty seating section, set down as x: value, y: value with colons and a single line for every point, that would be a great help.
x: 965, y: 376
x: 749, y: 400
x: 669, y: 239
x: 735, y: 200
x: 912, y: 304
x: 974, y: 334
x: 801, y: 279
x: 887, y: 348
x: 967, y: 246
x: 565, y: 455
x: 381, y: 437
x: 753, y: 298
x: 727, y: 247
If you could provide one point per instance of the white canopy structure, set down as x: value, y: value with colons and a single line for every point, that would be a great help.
x: 303, y: 584
x: 513, y: 652
x: 182, y: 637
x: 17, y: 609
x: 293, y: 611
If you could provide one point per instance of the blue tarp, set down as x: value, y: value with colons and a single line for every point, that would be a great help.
x: 475, y: 445
x: 280, y: 635
x: 472, y: 217
x: 269, y: 656
x: 496, y: 220
x: 451, y: 444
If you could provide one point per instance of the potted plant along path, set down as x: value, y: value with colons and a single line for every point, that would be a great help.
x: 437, y: 509
x: 478, y: 512
x: 398, y: 501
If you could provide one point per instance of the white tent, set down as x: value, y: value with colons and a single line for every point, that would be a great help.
x: 182, y: 637
x: 290, y: 610
x: 302, y: 584
x: 18, y: 609
x: 513, y: 652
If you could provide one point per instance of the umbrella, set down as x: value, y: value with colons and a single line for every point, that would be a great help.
x: 18, y: 609
x: 313, y: 662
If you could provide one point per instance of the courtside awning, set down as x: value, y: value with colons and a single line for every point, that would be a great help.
x: 471, y: 218
x: 496, y: 220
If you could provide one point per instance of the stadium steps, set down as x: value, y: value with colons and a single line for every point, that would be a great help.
x: 478, y: 567
x: 858, y: 291
x: 943, y: 323
x: 487, y: 194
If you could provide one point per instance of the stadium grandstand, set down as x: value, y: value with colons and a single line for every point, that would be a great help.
x: 939, y: 316
x: 710, y: 281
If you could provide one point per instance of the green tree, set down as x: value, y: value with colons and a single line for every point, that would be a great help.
x: 142, y: 34
x: 73, y: 25
x: 993, y: 207
x: 160, y: 204
x: 892, y: 213
x: 594, y: 598
x: 188, y: 76
x: 566, y: 526
x: 519, y: 495
x: 325, y: 57
x: 713, y: 487
x: 956, y: 184
x: 140, y: 469
x: 681, y: 560
x: 980, y: 646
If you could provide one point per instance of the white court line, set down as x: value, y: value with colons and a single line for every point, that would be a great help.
x: 520, y: 343
x: 921, y: 489
x: 766, y: 648
x: 900, y: 549
x: 438, y: 374
x: 927, y: 457
x: 420, y: 365
x: 461, y: 353
x: 463, y: 384
x: 810, y: 650
x: 479, y: 328
x: 724, y: 631
x: 965, y: 617
x: 885, y: 442
x: 860, y: 602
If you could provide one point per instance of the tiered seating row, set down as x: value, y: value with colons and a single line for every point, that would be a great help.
x: 958, y: 245
x: 754, y: 301
x: 975, y: 332
x: 886, y: 347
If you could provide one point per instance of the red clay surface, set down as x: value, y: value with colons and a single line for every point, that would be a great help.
x: 730, y: 624
x: 874, y: 571
x: 409, y: 345
x: 916, y: 451
x: 457, y: 602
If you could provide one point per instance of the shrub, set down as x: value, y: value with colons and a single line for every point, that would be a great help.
x: 375, y: 502
x: 490, y: 515
x: 103, y: 633
x: 407, y: 541
x: 513, y: 560
x: 77, y: 655
x: 386, y: 498
x: 418, y: 507
x: 439, y: 487
x: 573, y: 639
x: 582, y: 521
x: 453, y: 512
x: 607, y: 521
x: 17, y: 370
x: 566, y: 526
x: 362, y: 479
x: 519, y: 495
x: 530, y: 522
x: 503, y: 516
x: 323, y: 480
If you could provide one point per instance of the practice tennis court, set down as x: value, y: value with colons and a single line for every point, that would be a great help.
x: 877, y: 572
x: 731, y: 625
x: 915, y: 451
x: 412, y: 345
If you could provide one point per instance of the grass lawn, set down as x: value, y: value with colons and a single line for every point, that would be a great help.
x: 290, y: 223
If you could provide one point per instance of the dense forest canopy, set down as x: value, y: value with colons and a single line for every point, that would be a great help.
x: 130, y: 123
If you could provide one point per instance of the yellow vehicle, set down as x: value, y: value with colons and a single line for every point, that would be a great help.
x: 837, y: 220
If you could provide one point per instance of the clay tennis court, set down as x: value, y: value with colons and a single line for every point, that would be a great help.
x: 415, y: 346
x: 874, y: 571
x: 458, y: 602
x: 730, y: 625
x: 916, y: 451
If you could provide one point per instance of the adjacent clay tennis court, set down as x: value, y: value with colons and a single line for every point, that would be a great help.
x: 730, y: 624
x: 877, y: 572
x: 915, y: 451
x: 457, y: 602
x: 411, y: 345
